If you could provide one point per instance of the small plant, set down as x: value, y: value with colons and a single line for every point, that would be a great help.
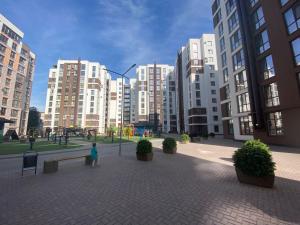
x: 185, y: 138
x: 144, y: 147
x: 205, y: 136
x: 169, y: 144
x: 212, y: 135
x: 254, y: 159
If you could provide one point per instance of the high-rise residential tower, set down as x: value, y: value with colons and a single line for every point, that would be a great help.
x: 16, y: 74
x: 76, y: 96
x: 197, y: 84
x: 150, y: 94
x: 258, y: 43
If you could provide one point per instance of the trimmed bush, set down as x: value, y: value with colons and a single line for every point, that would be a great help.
x: 144, y: 147
x: 185, y: 138
x: 212, y: 135
x: 169, y: 144
x: 254, y: 159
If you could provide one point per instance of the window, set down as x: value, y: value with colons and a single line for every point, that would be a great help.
x: 230, y: 5
x: 246, y: 125
x: 230, y: 127
x: 292, y: 18
x: 2, y: 48
x: 227, y: 92
x: 233, y: 22
x: 210, y: 51
x: 271, y: 95
x: 225, y: 75
x: 3, y: 111
x: 275, y: 124
x: 296, y: 50
x: 1, y: 58
x: 197, y: 86
x: 222, y: 44
x: 243, y: 103
x: 253, y: 2
x: 241, y: 81
x: 216, y: 129
x: 217, y: 18
x: 14, y: 113
x: 197, y: 77
x: 283, y: 2
x: 238, y: 60
x: 267, y: 67
x: 212, y: 83
x: 216, y: 118
x: 3, y: 39
x: 236, y: 40
x: 226, y: 109
x: 214, y: 100
x: 215, y: 109
x: 209, y: 43
x: 262, y: 42
x: 213, y: 92
x: 197, y: 94
x: 215, y: 6
x: 198, y: 102
x: 212, y: 75
x: 224, y: 59
x: 221, y: 30
x: 258, y: 18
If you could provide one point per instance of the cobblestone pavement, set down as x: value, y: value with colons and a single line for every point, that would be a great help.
x: 196, y: 186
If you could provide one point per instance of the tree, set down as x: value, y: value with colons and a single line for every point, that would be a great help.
x: 34, y: 120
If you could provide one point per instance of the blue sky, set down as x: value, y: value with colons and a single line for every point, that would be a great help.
x: 116, y: 33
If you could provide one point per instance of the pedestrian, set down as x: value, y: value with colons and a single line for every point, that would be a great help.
x: 94, y: 155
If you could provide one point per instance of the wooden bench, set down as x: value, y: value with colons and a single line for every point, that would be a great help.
x: 51, y: 166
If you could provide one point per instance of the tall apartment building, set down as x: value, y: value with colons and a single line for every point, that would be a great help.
x: 116, y: 102
x: 126, y: 104
x: 150, y: 94
x: 76, y: 96
x: 197, y: 83
x: 17, y: 64
x: 133, y: 105
x: 259, y: 59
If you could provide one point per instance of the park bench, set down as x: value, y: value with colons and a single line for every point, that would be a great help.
x: 51, y: 166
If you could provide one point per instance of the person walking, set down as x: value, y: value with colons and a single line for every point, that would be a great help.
x: 94, y: 155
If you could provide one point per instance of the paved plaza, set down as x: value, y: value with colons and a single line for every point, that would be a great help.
x: 196, y: 186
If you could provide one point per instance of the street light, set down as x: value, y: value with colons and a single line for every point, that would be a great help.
x: 123, y: 76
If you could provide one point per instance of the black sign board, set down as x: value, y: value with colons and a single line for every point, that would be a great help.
x: 30, y: 161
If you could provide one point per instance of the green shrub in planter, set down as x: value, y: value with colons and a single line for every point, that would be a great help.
x: 212, y: 135
x: 144, y: 150
x: 185, y: 138
x: 169, y: 145
x: 254, y: 160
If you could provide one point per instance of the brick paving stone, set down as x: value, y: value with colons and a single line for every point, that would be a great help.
x: 196, y: 186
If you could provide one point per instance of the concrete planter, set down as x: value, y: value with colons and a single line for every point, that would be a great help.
x: 144, y: 156
x: 50, y: 166
x: 170, y: 151
x: 267, y: 181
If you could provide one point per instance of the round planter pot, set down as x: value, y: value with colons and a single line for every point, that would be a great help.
x: 172, y: 151
x: 144, y: 156
x: 267, y: 181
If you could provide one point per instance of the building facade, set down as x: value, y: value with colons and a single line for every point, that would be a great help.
x: 197, y: 84
x: 17, y: 64
x: 76, y: 96
x: 133, y: 105
x: 259, y: 49
x: 151, y: 96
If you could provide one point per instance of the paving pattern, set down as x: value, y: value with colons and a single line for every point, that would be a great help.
x: 196, y: 186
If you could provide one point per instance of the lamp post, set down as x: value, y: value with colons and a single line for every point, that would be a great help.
x: 123, y: 76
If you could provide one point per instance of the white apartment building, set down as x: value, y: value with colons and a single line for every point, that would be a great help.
x: 197, y: 87
x: 151, y: 94
x: 17, y: 64
x: 116, y: 102
x: 235, y: 101
x: 133, y: 103
x: 76, y: 96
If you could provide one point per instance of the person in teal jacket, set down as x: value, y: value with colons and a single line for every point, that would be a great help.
x: 94, y: 155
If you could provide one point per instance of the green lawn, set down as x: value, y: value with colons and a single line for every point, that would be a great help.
x: 108, y: 140
x: 40, y: 146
